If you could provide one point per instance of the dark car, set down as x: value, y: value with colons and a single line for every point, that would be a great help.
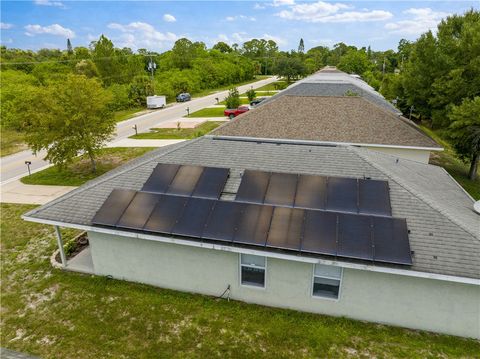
x: 184, y: 96
x: 256, y: 101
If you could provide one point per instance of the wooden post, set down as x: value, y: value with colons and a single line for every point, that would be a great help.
x: 60, y: 246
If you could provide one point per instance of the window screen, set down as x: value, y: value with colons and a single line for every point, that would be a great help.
x: 252, y: 270
x: 326, y: 281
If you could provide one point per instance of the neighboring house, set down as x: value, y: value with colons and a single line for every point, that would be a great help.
x: 350, y: 120
x: 438, y: 291
x: 332, y: 82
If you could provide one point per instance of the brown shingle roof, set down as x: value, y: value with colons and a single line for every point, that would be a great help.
x: 347, y: 119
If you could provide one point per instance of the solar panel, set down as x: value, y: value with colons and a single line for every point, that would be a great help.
x: 160, y: 178
x: 139, y: 210
x: 194, y: 217
x: 286, y: 228
x: 223, y: 221
x: 342, y: 194
x: 391, y: 241
x: 165, y: 214
x: 113, y: 207
x: 253, y: 186
x: 281, y: 189
x: 185, y: 180
x: 253, y: 224
x: 374, y: 197
x: 320, y: 233
x: 311, y: 192
x: 211, y: 183
x: 355, y: 236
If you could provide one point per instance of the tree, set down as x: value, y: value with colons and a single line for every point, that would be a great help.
x: 140, y: 88
x: 68, y: 118
x: 464, y: 131
x: 86, y: 68
x: 69, y: 47
x: 183, y: 53
x: 301, y: 47
x: 233, y: 98
x: 222, y: 47
x: 355, y: 62
x: 290, y: 67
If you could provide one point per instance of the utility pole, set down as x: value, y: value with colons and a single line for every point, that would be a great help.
x: 152, y: 66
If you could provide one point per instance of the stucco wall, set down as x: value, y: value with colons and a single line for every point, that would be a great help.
x: 415, y: 155
x: 392, y: 299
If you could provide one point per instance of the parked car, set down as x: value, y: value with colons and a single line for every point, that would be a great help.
x: 234, y: 112
x: 256, y: 101
x: 183, y: 97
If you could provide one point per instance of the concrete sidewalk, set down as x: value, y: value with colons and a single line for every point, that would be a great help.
x: 17, y: 192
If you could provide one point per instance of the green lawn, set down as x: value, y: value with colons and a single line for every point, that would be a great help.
x: 11, y: 142
x: 123, y: 115
x: 449, y: 160
x: 80, y: 172
x: 243, y: 101
x: 209, y: 112
x: 56, y: 314
x: 175, y: 134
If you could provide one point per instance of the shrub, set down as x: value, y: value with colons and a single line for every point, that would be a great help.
x: 251, y: 94
x: 233, y: 98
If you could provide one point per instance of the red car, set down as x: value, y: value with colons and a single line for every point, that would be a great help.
x: 234, y: 112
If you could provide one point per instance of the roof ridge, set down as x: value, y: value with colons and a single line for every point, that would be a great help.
x: 109, y: 175
x: 412, y: 190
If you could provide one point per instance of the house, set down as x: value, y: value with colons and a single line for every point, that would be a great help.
x: 349, y: 120
x: 392, y: 241
x: 331, y: 82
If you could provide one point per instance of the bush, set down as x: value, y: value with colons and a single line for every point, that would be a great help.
x: 120, y: 95
x: 233, y: 98
x: 251, y: 94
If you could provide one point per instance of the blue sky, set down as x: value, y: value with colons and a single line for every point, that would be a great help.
x: 156, y: 25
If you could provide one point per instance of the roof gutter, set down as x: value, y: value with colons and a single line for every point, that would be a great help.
x: 296, y: 258
x: 317, y: 143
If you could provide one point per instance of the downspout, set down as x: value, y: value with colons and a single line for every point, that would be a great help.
x: 60, y: 246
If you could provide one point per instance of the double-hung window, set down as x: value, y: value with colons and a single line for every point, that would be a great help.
x: 326, y: 281
x: 252, y: 270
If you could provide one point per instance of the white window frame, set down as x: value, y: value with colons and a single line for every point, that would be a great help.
x: 326, y: 277
x: 252, y: 266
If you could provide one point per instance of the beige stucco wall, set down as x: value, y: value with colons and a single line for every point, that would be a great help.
x: 427, y: 304
x: 410, y: 154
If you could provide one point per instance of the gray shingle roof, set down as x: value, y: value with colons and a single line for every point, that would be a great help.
x: 343, y: 119
x: 333, y: 89
x: 444, y: 232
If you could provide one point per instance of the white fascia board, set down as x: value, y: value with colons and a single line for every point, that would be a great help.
x: 319, y: 143
x: 290, y: 257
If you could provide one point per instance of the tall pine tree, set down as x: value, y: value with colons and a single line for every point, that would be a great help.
x: 301, y: 47
x: 69, y: 47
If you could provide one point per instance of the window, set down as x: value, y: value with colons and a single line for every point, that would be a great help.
x: 326, y: 281
x: 252, y: 270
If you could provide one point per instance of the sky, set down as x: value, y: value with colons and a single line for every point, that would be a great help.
x: 156, y: 25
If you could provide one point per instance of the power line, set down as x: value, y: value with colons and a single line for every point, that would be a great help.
x: 72, y: 60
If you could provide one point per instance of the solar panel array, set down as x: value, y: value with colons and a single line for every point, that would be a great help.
x: 185, y: 180
x: 352, y: 195
x: 365, y: 237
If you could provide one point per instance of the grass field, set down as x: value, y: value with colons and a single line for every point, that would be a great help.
x: 175, y: 134
x: 457, y: 169
x: 123, y: 115
x: 243, y: 101
x: 11, y: 142
x: 208, y: 112
x: 80, y: 172
x: 56, y: 314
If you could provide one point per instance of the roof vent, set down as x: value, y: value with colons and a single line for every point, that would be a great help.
x: 476, y: 207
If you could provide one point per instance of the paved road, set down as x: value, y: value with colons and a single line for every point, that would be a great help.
x: 13, y: 166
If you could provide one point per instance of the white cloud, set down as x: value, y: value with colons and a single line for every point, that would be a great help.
x: 240, y: 17
x: 6, y: 41
x: 277, y: 3
x: 242, y: 36
x: 138, y: 35
x: 422, y: 20
x: 258, y: 6
x: 5, y: 26
x: 54, y: 29
x: 49, y: 3
x: 169, y: 18
x: 324, y: 12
